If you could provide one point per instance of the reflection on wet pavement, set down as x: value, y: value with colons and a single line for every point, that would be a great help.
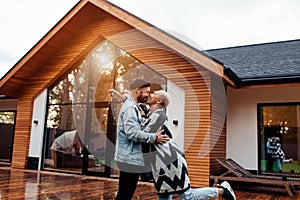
x: 31, y: 184
x: 17, y: 184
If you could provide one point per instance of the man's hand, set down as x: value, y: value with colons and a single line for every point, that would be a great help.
x: 116, y: 95
x: 161, y: 138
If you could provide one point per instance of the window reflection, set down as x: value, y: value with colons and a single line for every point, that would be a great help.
x: 279, y: 128
x: 80, y: 104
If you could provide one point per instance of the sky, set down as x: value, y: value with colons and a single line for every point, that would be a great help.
x: 204, y: 24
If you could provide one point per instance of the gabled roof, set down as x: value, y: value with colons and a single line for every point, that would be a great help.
x: 60, y: 39
x: 276, y: 62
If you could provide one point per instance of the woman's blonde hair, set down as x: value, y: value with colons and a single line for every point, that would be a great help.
x: 164, y: 96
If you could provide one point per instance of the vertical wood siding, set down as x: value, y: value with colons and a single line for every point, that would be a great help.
x: 22, y: 132
x: 218, y: 121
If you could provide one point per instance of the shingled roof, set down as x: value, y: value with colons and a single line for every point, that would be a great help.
x: 275, y: 62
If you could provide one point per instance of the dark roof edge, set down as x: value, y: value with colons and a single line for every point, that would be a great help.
x: 240, y: 82
x: 269, y: 80
x: 232, y: 76
x: 249, y: 45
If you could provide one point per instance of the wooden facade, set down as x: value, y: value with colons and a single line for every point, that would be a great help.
x: 91, y: 22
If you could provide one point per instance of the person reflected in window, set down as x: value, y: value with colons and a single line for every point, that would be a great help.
x: 278, y: 154
x: 271, y: 148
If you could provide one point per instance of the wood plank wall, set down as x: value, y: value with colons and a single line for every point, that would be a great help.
x: 218, y: 124
x: 194, y: 79
x: 22, y: 132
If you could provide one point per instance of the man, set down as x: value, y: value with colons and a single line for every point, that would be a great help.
x: 129, y: 155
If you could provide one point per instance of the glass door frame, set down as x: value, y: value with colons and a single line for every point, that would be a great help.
x: 109, y: 152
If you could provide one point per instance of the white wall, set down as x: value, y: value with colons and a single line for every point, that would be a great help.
x: 242, y: 120
x: 37, y: 130
x: 176, y: 111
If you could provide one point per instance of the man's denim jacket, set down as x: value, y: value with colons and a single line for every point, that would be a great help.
x: 130, y: 136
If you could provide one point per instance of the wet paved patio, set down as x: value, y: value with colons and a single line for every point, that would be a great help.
x: 30, y: 184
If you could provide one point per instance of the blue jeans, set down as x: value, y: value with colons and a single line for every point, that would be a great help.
x: 194, y: 194
x: 279, y: 165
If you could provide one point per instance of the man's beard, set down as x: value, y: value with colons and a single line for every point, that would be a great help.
x: 142, y: 99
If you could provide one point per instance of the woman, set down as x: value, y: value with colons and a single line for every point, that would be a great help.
x: 278, y: 154
x: 168, y: 163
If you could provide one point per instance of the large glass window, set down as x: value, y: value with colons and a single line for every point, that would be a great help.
x: 81, y: 117
x: 7, y: 126
x: 279, y: 133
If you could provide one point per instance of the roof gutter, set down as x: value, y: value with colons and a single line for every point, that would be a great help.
x: 270, y: 80
x: 241, y: 82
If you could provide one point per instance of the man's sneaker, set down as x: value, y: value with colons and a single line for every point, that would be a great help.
x: 228, y: 193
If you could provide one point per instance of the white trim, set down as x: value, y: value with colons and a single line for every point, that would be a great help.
x: 175, y: 111
x: 37, y: 129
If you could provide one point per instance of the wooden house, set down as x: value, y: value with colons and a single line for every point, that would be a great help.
x: 61, y: 85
